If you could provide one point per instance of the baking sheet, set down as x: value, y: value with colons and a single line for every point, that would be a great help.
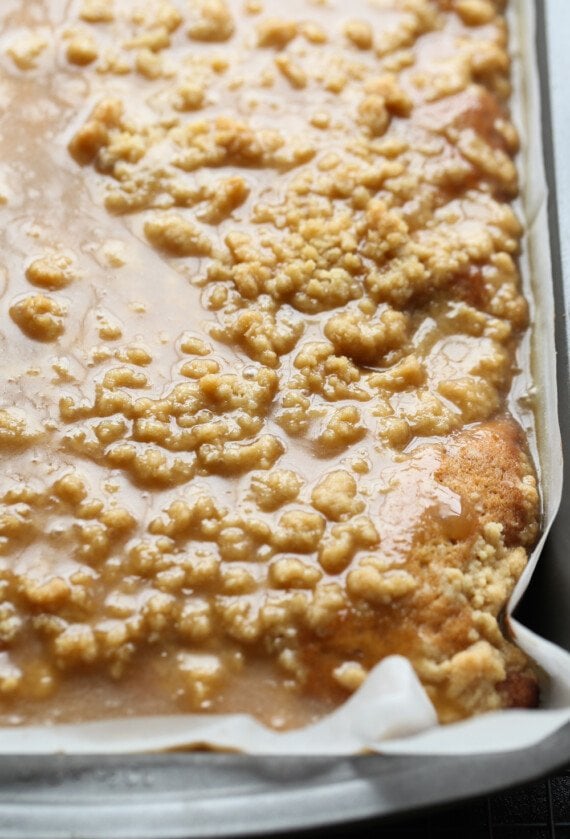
x: 391, y: 712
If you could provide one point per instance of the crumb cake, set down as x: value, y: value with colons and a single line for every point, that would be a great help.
x: 261, y: 316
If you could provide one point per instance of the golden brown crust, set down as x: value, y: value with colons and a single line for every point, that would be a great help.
x: 520, y: 690
x: 489, y: 467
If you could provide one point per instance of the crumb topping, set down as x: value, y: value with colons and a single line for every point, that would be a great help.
x: 260, y: 339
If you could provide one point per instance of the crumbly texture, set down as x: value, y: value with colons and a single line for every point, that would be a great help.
x: 259, y: 340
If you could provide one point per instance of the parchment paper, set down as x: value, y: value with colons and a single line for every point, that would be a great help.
x: 391, y: 712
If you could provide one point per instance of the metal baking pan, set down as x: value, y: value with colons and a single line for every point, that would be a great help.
x: 207, y: 794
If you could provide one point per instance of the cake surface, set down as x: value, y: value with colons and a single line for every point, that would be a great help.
x: 261, y: 312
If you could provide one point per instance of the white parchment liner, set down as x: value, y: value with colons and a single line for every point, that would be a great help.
x: 391, y: 712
